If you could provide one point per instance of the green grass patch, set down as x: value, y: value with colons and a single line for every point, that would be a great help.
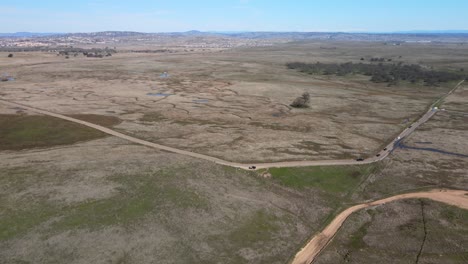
x: 16, y: 221
x: 356, y: 239
x: 153, y: 117
x: 138, y: 196
x: 155, y: 192
x: 334, y: 179
x: 19, y: 215
x: 31, y: 131
x: 454, y: 215
x: 260, y: 226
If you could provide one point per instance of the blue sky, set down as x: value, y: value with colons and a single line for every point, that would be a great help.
x: 232, y: 15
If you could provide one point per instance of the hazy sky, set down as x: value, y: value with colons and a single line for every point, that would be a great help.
x: 232, y: 15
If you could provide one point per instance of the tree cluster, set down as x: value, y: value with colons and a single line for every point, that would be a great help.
x: 90, y: 53
x: 381, y: 73
x: 379, y: 59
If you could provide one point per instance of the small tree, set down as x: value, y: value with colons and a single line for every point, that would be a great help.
x: 10, y: 55
x: 302, y: 101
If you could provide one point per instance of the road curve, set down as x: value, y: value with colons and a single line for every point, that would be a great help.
x: 378, y: 157
x: 308, y: 254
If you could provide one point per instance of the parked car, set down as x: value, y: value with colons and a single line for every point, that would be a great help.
x: 359, y: 159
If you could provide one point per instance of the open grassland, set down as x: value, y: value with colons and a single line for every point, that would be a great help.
x: 108, y: 201
x: 235, y: 104
x: 409, y: 231
x: 412, y: 231
x: 443, y: 164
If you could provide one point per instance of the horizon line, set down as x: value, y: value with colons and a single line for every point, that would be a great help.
x: 422, y: 31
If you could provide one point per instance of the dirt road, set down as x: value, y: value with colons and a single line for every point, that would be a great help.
x: 109, y: 131
x: 320, y: 241
x: 382, y: 154
x: 379, y: 156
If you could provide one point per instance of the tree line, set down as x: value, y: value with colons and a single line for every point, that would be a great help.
x: 381, y: 73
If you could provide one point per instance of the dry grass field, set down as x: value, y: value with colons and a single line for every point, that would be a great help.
x: 410, y: 169
x: 108, y: 201
x: 70, y: 194
x: 395, y: 232
x: 231, y: 104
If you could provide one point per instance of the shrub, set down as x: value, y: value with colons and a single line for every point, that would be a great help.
x: 302, y: 101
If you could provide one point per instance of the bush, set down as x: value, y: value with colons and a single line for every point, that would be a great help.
x: 302, y: 101
x: 10, y: 55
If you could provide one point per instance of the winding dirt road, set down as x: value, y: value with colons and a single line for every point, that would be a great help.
x: 319, y: 241
x: 109, y: 131
x: 379, y: 156
x: 308, y: 254
x: 383, y: 154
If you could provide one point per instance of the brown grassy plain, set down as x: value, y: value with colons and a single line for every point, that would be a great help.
x: 232, y: 104
x: 108, y: 201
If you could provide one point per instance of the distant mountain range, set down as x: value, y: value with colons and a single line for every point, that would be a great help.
x: 410, y: 36
x: 26, y: 34
x: 226, y: 33
x: 433, y: 32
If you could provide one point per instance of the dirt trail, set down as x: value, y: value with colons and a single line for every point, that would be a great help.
x: 378, y: 157
x: 383, y: 154
x: 308, y: 254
